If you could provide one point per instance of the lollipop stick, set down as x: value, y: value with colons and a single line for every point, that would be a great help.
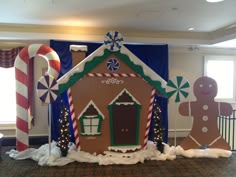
x: 175, y: 127
x: 49, y: 128
x: 179, y: 88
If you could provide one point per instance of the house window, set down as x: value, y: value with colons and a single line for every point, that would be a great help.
x: 222, y: 70
x: 8, y: 96
x: 91, y: 125
x: 91, y: 120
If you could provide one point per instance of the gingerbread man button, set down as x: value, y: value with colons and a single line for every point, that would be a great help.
x: 205, y: 110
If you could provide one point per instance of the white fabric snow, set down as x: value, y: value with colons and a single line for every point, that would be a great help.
x: 41, y: 155
x: 197, y: 153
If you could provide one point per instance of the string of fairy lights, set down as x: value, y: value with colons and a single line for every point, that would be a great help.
x: 158, y: 135
x: 64, y: 137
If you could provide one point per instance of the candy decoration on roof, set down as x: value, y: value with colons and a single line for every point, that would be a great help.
x: 21, y: 74
x: 47, y: 89
x: 113, y: 64
x: 178, y: 87
x: 113, y: 41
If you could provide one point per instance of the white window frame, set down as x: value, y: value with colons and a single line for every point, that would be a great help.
x: 223, y: 58
x: 90, y: 125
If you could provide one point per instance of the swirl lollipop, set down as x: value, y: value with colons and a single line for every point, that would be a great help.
x: 178, y: 87
x: 113, y: 64
x: 47, y: 89
x: 113, y: 41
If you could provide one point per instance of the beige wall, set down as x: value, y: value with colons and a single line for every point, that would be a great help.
x: 189, y: 63
x: 40, y: 109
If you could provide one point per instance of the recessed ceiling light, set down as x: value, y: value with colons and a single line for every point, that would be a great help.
x: 191, y: 29
x: 214, y: 1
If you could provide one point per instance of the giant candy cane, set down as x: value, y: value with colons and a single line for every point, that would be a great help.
x: 149, y: 117
x: 73, y: 118
x: 21, y: 73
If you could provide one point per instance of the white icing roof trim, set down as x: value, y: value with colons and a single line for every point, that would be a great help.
x: 124, y: 103
x: 80, y: 66
x: 99, y: 52
x: 76, y: 48
x: 91, y: 103
x: 124, y: 90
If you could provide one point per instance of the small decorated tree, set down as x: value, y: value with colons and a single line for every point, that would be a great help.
x: 158, y: 135
x: 64, y: 135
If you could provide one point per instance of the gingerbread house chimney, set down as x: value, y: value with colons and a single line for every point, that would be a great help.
x: 78, y: 53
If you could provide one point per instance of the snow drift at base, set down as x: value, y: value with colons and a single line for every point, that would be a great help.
x: 42, y: 156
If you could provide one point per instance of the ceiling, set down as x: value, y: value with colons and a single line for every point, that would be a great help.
x: 149, y: 21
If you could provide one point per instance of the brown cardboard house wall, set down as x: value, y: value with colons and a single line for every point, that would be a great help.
x: 111, y: 93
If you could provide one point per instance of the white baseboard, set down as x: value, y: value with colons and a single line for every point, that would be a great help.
x: 178, y: 133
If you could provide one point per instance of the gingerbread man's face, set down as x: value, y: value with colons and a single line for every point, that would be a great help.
x: 205, y: 87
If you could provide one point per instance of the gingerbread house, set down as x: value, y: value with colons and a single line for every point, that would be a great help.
x: 112, y: 92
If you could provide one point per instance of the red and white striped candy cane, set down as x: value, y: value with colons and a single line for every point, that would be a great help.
x: 21, y: 74
x: 73, y: 118
x: 112, y: 75
x: 149, y: 117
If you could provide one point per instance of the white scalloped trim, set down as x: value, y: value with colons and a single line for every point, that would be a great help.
x: 76, y: 48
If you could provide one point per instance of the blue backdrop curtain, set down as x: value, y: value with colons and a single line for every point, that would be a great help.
x: 155, y: 56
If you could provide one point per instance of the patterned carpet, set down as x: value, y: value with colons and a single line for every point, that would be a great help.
x: 180, y: 167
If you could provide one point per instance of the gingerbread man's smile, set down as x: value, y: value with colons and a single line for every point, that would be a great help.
x: 204, y: 92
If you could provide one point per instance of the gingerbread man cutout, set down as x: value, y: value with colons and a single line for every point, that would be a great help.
x: 205, y: 110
